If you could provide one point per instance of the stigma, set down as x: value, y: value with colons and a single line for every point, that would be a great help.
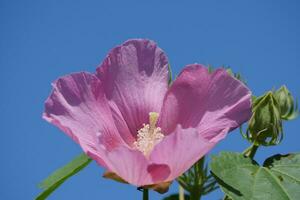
x: 149, y: 135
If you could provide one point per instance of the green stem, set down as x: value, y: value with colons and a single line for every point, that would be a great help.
x: 196, y: 195
x: 251, y: 151
x: 199, y: 180
x: 181, y: 192
x: 145, y: 194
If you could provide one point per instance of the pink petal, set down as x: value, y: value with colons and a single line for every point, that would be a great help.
x: 205, y: 101
x: 180, y: 150
x: 133, y: 167
x: 77, y: 106
x: 159, y: 172
x: 135, y: 79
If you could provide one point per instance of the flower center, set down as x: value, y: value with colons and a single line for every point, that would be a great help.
x: 149, y: 135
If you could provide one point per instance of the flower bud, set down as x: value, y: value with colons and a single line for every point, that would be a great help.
x: 265, y: 125
x: 288, y: 109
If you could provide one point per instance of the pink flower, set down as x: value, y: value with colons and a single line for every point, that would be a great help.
x: 131, y: 122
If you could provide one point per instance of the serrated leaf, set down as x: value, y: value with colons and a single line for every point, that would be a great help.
x: 242, y: 179
x: 58, y: 177
x: 287, y: 169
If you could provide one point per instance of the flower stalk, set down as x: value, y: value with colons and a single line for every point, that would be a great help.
x: 181, y: 192
x: 195, y: 195
x: 196, y: 181
x: 251, y: 151
x: 145, y: 194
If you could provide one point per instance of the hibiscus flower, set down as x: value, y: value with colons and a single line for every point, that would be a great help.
x: 133, y: 123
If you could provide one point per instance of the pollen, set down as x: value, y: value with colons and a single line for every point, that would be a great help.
x: 149, y: 135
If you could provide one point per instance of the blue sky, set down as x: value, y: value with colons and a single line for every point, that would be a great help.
x: 42, y: 40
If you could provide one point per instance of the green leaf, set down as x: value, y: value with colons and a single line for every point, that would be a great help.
x: 176, y: 197
x: 243, y: 179
x: 286, y: 169
x: 58, y: 177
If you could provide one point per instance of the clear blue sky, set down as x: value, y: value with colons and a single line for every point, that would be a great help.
x: 42, y: 40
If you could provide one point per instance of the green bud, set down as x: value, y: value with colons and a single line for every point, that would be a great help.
x: 288, y: 109
x: 265, y: 125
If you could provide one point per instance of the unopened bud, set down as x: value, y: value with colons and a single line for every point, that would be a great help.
x: 288, y: 109
x: 265, y: 125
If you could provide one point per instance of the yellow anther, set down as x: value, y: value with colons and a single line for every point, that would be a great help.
x: 149, y: 135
